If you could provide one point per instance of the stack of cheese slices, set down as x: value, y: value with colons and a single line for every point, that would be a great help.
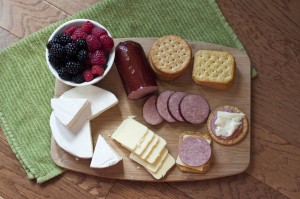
x: 70, y: 124
x: 146, y: 147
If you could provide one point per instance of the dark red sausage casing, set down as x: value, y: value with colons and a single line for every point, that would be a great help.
x: 131, y: 62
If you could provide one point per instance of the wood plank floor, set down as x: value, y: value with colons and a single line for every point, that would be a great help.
x: 269, y: 31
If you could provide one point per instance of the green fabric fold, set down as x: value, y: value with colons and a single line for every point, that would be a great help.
x: 27, y: 85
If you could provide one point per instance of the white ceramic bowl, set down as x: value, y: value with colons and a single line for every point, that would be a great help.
x: 78, y: 23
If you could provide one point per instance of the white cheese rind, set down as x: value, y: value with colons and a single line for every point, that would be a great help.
x: 68, y: 110
x: 104, y: 156
x: 100, y: 99
x: 226, y: 123
x: 76, y: 141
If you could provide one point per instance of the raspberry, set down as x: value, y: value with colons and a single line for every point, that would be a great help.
x: 78, y: 78
x: 93, y: 43
x: 70, y: 49
x: 98, y: 58
x: 63, y: 73
x: 82, y: 55
x: 88, y: 75
x: 81, y: 43
x: 70, y: 30
x: 98, y: 32
x: 73, y: 67
x: 57, y: 50
x: 107, y: 42
x: 78, y: 33
x: 97, y: 70
x: 87, y: 27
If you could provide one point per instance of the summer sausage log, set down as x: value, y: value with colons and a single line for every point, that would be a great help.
x: 137, y: 78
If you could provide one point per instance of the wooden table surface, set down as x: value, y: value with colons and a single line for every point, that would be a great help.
x: 270, y: 32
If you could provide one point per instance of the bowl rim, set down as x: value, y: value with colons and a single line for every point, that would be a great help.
x: 78, y: 23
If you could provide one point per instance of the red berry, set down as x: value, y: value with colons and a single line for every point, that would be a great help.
x: 98, y: 58
x: 87, y: 27
x: 78, y: 33
x: 88, y: 75
x: 98, y: 32
x: 70, y: 30
x: 97, y: 70
x: 107, y: 42
x: 93, y: 43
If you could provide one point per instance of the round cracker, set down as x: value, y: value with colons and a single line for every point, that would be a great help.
x: 235, y: 139
x: 171, y: 55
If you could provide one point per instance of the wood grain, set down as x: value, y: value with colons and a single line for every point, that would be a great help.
x: 22, y: 18
x: 226, y: 160
x: 269, y: 31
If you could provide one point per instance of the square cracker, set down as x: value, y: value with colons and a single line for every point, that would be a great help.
x: 213, y: 69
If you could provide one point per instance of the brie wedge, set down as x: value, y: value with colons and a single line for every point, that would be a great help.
x: 68, y: 110
x: 100, y: 99
x: 77, y: 140
x: 104, y: 155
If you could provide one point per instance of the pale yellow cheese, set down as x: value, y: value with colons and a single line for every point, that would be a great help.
x: 157, y: 150
x: 167, y: 164
x: 150, y: 147
x: 151, y: 167
x: 144, y: 143
x: 129, y: 133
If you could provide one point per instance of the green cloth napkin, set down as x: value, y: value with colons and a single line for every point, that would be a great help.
x: 27, y: 85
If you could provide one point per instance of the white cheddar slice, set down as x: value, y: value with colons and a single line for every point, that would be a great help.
x: 144, y: 143
x: 150, y: 167
x: 76, y: 141
x: 100, y: 99
x: 156, y: 151
x: 68, y: 110
x: 167, y: 164
x: 130, y: 133
x: 150, y: 147
x: 104, y: 156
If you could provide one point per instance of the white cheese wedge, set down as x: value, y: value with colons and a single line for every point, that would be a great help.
x: 130, y: 133
x: 144, y: 143
x: 151, y: 167
x: 157, y: 150
x: 227, y: 123
x: 104, y: 156
x: 76, y: 141
x: 100, y: 99
x: 179, y: 161
x: 68, y: 110
x: 167, y: 164
x: 150, y: 147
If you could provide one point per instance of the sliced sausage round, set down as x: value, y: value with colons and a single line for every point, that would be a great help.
x: 162, y: 106
x: 150, y: 113
x: 194, y: 109
x: 194, y: 151
x: 173, y: 105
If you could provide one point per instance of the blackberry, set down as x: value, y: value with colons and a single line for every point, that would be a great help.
x: 57, y: 63
x: 81, y: 43
x: 63, y: 73
x: 74, y: 67
x: 57, y: 50
x: 62, y: 39
x: 78, y: 78
x: 70, y: 49
x: 82, y: 55
x: 50, y: 43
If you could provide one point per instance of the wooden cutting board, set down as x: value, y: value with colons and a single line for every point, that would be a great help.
x: 226, y: 160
